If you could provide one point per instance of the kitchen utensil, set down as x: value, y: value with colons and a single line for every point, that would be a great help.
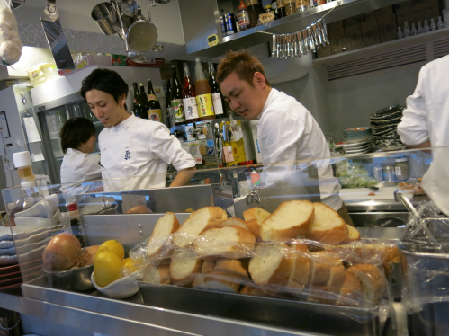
x: 142, y: 35
x: 55, y: 36
x: 399, y: 197
x: 106, y: 18
x: 129, y: 7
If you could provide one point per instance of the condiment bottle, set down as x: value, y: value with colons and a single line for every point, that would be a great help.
x: 203, y: 93
x: 136, y: 103
x: 154, y: 108
x: 177, y: 102
x: 169, y: 117
x: 280, y: 8
x: 143, y: 102
x: 253, y: 12
x: 242, y: 17
x: 290, y: 7
x: 190, y: 107
x: 216, y: 94
x: 401, y: 169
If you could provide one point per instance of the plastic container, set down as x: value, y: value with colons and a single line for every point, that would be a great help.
x: 41, y: 73
x: 22, y: 161
x: 242, y: 17
x: 402, y: 169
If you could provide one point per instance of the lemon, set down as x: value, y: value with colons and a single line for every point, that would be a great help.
x: 113, y: 246
x: 129, y: 265
x: 107, y: 268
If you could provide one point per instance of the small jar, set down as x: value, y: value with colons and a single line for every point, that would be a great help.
x: 401, y: 169
x: 388, y: 172
x: 22, y: 161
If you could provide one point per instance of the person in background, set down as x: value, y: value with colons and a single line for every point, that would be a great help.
x: 425, y: 123
x: 286, y: 132
x: 134, y: 152
x: 78, y: 143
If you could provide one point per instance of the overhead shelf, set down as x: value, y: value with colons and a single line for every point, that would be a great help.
x: 336, y: 11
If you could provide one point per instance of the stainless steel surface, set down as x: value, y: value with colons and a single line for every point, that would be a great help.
x: 129, y: 230
x: 17, y: 3
x: 196, y: 38
x: 75, y: 279
x: 130, y: 317
x: 381, y: 205
x: 379, y: 219
x: 382, y: 233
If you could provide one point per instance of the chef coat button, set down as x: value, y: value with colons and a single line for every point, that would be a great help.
x: 127, y: 167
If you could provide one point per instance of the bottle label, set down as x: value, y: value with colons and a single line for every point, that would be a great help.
x: 178, y: 109
x: 243, y: 20
x: 155, y: 115
x: 205, y: 107
x: 279, y: 3
x: 398, y: 170
x: 190, y: 108
x: 216, y: 101
x: 152, y: 97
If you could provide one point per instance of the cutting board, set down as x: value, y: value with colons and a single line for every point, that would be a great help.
x: 385, y: 193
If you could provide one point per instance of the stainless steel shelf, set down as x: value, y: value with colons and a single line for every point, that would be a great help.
x: 341, y: 10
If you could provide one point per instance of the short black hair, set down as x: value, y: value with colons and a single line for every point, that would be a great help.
x: 107, y: 81
x: 75, y: 133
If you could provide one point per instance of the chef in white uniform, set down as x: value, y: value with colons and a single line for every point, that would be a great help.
x: 78, y: 165
x: 287, y: 132
x: 425, y: 123
x: 134, y: 152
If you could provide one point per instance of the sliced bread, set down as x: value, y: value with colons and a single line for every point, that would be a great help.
x: 218, y: 281
x: 235, y: 221
x: 327, y: 226
x: 197, y: 222
x: 300, y: 274
x: 165, y: 227
x: 320, y: 266
x: 208, y: 266
x: 232, y: 267
x: 270, y: 264
x: 227, y: 242
x: 184, y: 266
x: 254, y: 218
x: 157, y: 275
x: 371, y: 278
x: 353, y: 234
x: 351, y: 291
x: 290, y: 220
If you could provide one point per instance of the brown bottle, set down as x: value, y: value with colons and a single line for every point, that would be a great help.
x: 190, y: 107
x: 253, y: 12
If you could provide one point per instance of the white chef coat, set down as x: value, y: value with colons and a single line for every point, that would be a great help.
x: 135, y: 154
x: 78, y: 167
x: 287, y: 133
x: 427, y: 118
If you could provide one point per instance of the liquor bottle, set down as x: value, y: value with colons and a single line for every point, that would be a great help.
x: 154, y: 108
x: 177, y: 102
x: 253, y: 12
x: 280, y: 8
x: 261, y: 8
x: 243, y: 18
x: 203, y: 93
x: 190, y: 107
x: 136, y: 103
x: 143, y: 102
x: 169, y: 117
x: 215, y: 89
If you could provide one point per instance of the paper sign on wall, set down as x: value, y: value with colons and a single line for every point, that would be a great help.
x: 31, y: 130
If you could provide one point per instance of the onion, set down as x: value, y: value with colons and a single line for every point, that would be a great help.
x: 61, y: 252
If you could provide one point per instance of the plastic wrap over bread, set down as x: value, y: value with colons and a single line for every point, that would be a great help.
x: 228, y: 254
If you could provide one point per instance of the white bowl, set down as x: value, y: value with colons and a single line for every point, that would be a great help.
x: 119, y: 289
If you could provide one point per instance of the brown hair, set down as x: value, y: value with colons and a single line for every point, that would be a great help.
x: 243, y: 64
x: 75, y: 133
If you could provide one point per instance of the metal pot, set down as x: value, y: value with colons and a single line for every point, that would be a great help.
x: 106, y: 18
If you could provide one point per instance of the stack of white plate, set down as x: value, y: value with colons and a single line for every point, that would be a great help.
x: 362, y: 147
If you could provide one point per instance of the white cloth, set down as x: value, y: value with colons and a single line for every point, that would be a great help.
x: 287, y: 133
x: 427, y: 118
x: 77, y: 170
x: 135, y: 154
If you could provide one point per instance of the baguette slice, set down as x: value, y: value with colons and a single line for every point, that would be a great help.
x: 197, y: 222
x: 252, y: 291
x: 254, y: 218
x: 270, y: 264
x: 208, y: 266
x: 327, y: 226
x: 300, y: 274
x: 184, y: 266
x: 320, y: 266
x: 227, y: 242
x: 353, y: 234
x: 165, y: 226
x: 219, y: 281
x: 336, y: 280
x: 235, y: 221
x: 290, y: 220
x: 157, y: 275
x: 351, y: 291
x: 372, y: 282
x: 232, y: 267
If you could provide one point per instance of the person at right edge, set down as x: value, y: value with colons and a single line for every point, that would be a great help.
x: 287, y: 132
x: 425, y: 123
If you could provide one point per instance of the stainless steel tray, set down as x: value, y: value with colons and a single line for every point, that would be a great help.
x: 202, y: 306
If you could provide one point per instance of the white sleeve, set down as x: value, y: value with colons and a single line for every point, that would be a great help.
x: 413, y: 125
x: 169, y: 150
